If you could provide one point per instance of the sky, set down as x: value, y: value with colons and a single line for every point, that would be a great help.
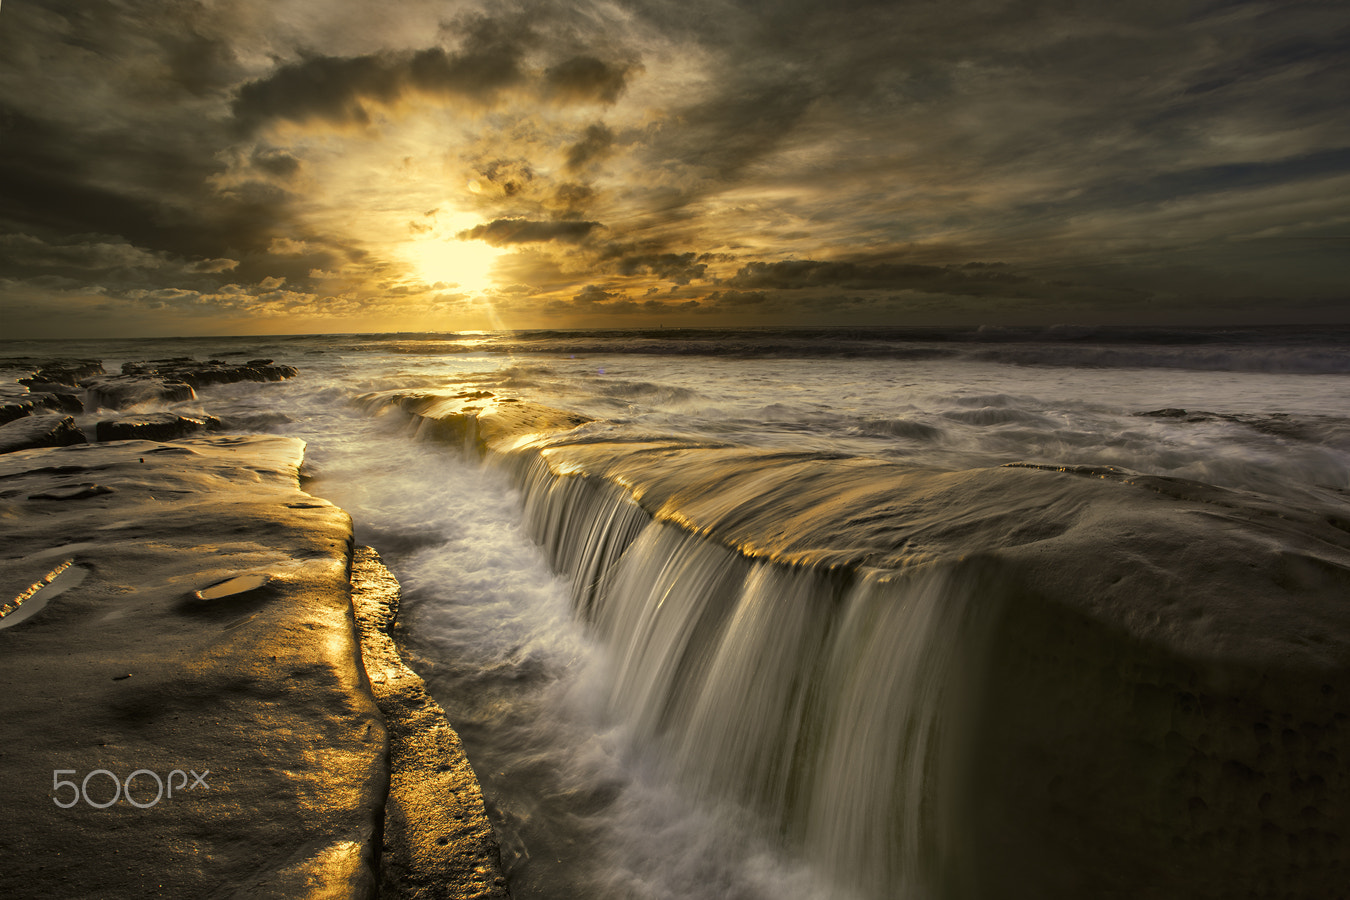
x: 181, y: 167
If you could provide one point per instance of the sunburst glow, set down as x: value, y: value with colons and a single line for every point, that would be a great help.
x: 450, y: 261
x: 439, y: 257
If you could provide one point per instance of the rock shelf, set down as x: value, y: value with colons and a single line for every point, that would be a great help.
x: 184, y: 703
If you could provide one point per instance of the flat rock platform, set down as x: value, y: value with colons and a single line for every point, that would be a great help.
x: 184, y: 707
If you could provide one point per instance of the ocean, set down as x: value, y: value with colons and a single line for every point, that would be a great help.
x: 857, y: 613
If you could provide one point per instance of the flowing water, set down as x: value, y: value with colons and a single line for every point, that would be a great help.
x: 658, y: 713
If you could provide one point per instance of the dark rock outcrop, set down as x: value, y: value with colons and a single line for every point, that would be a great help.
x: 123, y: 391
x: 200, y: 374
x: 58, y: 386
x: 58, y: 399
x: 19, y: 405
x: 39, y: 431
x: 28, y: 394
x: 154, y: 427
x: 174, y: 380
x: 63, y: 374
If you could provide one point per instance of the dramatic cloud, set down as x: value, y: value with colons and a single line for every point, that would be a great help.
x: 340, y: 91
x: 680, y: 268
x: 594, y: 145
x: 501, y: 232
x: 971, y: 278
x: 587, y: 79
x: 112, y: 259
x: 339, y: 165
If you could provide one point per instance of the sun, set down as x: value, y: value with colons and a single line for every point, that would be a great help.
x: 438, y: 257
x: 445, y: 259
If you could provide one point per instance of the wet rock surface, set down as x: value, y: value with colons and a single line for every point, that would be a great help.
x: 51, y: 386
x: 16, y: 405
x: 438, y: 843
x: 177, y: 617
x: 479, y: 420
x: 38, y: 388
x: 125, y: 391
x: 199, y: 374
x: 39, y: 431
x: 64, y: 385
x: 154, y: 427
x: 67, y: 373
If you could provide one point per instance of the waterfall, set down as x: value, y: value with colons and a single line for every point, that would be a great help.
x: 1020, y: 682
x: 827, y: 701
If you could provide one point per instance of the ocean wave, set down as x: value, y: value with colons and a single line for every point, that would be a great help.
x: 996, y: 415
x: 908, y: 429
x: 645, y: 390
x: 1326, y: 430
x: 1278, y: 360
x: 1298, y: 350
x: 1285, y: 349
x: 982, y: 400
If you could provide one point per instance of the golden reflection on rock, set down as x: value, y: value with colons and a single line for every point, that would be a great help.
x: 138, y: 675
x: 436, y: 832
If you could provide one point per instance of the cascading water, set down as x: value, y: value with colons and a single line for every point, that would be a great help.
x: 909, y: 681
x: 826, y: 702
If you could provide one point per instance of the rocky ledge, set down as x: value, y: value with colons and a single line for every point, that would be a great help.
x: 184, y: 706
x: 437, y: 840
x: 55, y: 404
x: 73, y: 386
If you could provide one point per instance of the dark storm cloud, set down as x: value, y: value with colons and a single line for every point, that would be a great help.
x: 586, y: 79
x: 595, y: 144
x: 132, y: 152
x: 970, y: 278
x: 338, y: 90
x: 275, y: 162
x: 56, y: 178
x: 1307, y: 41
x: 593, y: 293
x: 962, y: 96
x: 41, y: 187
x: 508, y: 176
x: 503, y: 232
x: 680, y: 268
x: 200, y: 64
x: 22, y: 250
x: 722, y: 135
x: 1200, y: 180
x: 572, y: 197
x: 333, y: 90
x: 490, y: 59
x: 739, y: 299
